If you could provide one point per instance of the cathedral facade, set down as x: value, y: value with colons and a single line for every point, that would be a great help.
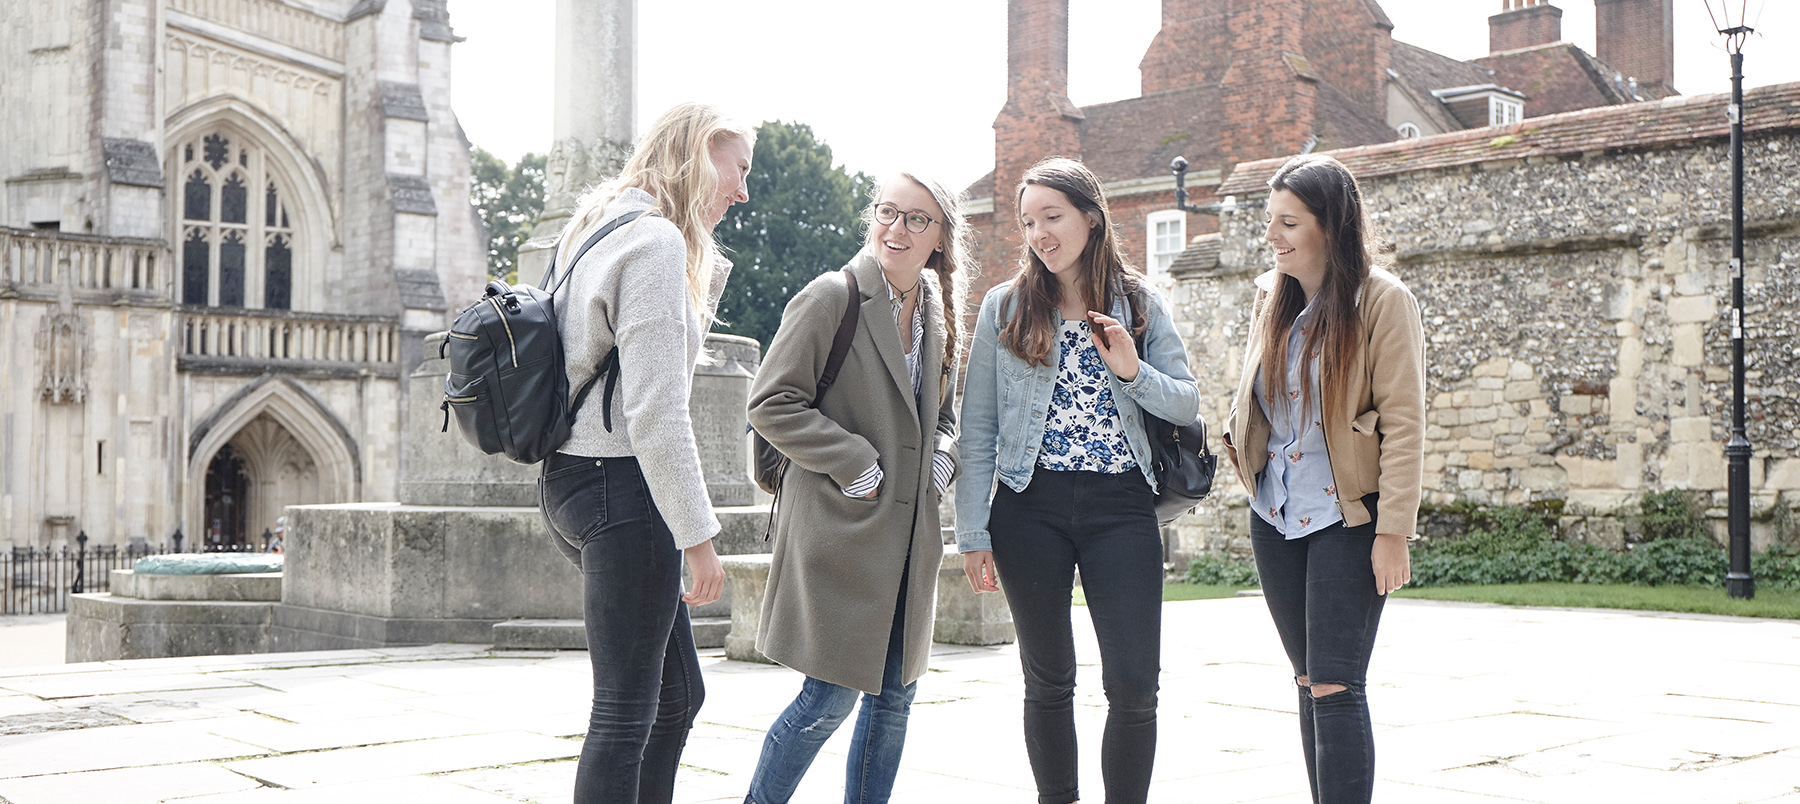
x: 226, y: 226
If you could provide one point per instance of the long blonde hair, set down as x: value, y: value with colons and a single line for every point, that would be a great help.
x: 953, y: 264
x: 673, y: 163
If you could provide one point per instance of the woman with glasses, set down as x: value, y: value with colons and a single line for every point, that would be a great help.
x: 853, y: 582
x: 1068, y: 358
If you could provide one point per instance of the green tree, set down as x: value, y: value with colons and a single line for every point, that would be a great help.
x: 801, y: 221
x: 508, y: 199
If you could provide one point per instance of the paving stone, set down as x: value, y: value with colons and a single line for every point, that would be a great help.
x: 415, y: 758
x: 84, y: 684
x: 126, y: 786
x: 410, y: 789
x: 113, y: 747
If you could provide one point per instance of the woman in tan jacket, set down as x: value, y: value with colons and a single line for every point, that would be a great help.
x: 1327, y: 435
x: 853, y: 581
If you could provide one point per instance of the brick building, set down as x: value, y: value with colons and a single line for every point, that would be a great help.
x: 1229, y: 81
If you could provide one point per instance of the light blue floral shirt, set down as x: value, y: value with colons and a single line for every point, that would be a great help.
x: 1296, y: 493
x: 1082, y: 431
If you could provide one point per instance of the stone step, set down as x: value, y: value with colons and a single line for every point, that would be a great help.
x: 709, y: 632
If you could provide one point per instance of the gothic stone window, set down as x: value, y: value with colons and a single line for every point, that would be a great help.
x: 236, y: 238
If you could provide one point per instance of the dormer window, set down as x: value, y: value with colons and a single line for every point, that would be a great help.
x: 1503, y: 110
x: 1482, y: 105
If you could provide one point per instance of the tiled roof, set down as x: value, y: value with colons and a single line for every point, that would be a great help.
x: 1425, y: 71
x: 980, y: 188
x: 1677, y: 118
x: 1343, y: 123
x: 1556, y: 78
x: 1137, y: 137
x: 1202, y: 254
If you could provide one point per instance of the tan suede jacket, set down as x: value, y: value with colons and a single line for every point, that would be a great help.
x: 1377, y: 438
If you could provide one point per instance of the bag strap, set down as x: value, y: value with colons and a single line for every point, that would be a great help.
x: 592, y: 241
x: 609, y: 365
x: 840, y: 345
x: 840, y: 348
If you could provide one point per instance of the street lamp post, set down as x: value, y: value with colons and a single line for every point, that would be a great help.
x: 1738, y: 581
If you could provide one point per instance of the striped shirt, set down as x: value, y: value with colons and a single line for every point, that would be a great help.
x: 941, y: 468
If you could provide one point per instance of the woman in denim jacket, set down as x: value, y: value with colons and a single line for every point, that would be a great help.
x: 1053, y: 409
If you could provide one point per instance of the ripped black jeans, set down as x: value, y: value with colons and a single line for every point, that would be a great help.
x: 1320, y: 589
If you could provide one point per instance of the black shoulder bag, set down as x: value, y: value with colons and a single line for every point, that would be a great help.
x: 1179, y: 458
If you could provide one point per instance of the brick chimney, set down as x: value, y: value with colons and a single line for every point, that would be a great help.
x: 1191, y: 49
x: 1637, y: 38
x: 1351, y: 42
x: 1267, y: 92
x: 1038, y: 119
x: 1522, y: 24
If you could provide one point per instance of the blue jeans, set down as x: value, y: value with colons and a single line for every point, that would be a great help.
x: 1321, y: 592
x: 815, y: 714
x: 1105, y: 524
x: 647, y: 686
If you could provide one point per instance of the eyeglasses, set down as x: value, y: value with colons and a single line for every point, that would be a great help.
x: 916, y: 222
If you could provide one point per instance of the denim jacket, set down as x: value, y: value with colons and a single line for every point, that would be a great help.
x: 1005, y: 400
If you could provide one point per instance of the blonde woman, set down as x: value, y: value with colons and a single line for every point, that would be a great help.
x: 626, y: 502
x: 853, y: 583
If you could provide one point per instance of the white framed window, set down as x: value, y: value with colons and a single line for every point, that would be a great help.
x: 1407, y: 131
x: 1165, y: 232
x: 1504, y: 111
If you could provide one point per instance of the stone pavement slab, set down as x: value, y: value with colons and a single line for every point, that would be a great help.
x: 1472, y: 704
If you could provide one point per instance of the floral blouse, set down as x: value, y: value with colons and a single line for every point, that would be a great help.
x: 1295, y: 492
x: 1082, y: 431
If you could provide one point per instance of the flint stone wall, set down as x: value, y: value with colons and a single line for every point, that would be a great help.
x: 1576, y: 311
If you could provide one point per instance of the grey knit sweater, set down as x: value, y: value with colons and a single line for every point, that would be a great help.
x: 631, y: 290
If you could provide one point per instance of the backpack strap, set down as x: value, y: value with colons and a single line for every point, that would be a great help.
x: 840, y: 344
x: 592, y: 241
x: 609, y: 365
x: 840, y: 348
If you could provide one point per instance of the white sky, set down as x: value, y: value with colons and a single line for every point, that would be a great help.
x: 917, y: 83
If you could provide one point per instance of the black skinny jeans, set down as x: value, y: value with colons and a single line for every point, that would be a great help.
x: 647, y: 686
x: 1321, y: 591
x: 1105, y: 525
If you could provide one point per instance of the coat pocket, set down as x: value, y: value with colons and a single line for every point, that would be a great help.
x: 1366, y: 448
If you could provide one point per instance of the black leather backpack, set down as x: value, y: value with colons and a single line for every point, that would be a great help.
x: 507, y: 389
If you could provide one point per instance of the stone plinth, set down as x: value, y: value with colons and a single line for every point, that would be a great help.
x: 253, y: 586
x: 149, y: 616
x: 376, y: 574
x: 963, y: 616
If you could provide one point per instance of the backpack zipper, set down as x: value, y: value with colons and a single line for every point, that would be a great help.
x: 509, y: 336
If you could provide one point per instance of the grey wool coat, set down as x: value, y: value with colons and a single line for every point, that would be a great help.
x: 835, y: 576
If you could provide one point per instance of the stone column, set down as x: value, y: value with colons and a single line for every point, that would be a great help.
x: 596, y: 114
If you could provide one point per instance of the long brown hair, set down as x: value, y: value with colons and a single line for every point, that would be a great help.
x: 1031, y: 332
x: 1332, y: 195
x: 952, y: 262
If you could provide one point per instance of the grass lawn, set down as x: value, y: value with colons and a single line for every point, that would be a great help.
x: 1686, y: 599
x: 1180, y: 591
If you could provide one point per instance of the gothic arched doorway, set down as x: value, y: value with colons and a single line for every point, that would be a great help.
x: 227, y: 501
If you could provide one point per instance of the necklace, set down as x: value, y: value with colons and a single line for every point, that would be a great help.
x: 899, y: 299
